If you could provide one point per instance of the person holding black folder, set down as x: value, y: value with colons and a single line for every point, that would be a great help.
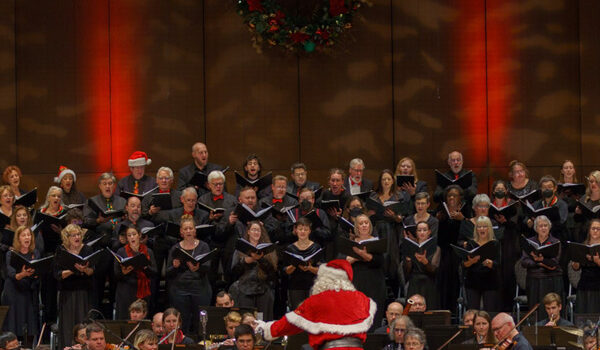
x: 481, y: 207
x: 301, y: 273
x: 320, y: 230
x: 335, y: 192
x: 255, y: 273
x: 21, y: 289
x: 188, y: 281
x: 450, y: 215
x: 133, y: 282
x: 368, y: 269
x: 544, y: 274
x: 51, y: 239
x: 506, y: 218
x: 252, y: 171
x: 456, y: 171
x: 74, y: 284
x: 482, y: 268
x: 421, y: 202
x: 520, y: 184
x: 7, y: 199
x: 406, y: 167
x: 420, y: 266
x: 66, y: 180
x: 548, y: 188
x: 299, y: 180
x: 200, y: 165
x: 388, y: 207
x: 588, y: 289
x: 137, y: 182
x: 571, y: 191
x: 12, y: 177
x: 161, y: 198
x: 590, y: 200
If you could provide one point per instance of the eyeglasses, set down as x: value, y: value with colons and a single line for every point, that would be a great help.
x: 413, y: 344
x: 496, y: 329
x: 594, y: 228
x: 164, y: 178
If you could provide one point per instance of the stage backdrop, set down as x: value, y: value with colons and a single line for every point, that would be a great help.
x: 85, y: 83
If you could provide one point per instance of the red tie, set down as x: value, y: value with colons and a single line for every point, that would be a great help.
x: 356, y: 183
x: 455, y: 176
x: 215, y: 198
x: 277, y: 200
x: 136, y: 187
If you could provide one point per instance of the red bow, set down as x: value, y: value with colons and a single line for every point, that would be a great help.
x: 215, y: 198
x: 455, y: 176
x: 191, y: 213
x: 165, y: 191
x: 355, y: 183
x: 277, y: 200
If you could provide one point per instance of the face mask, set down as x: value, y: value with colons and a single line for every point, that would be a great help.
x: 547, y: 193
x: 499, y: 194
x: 305, y: 205
x: 354, y: 212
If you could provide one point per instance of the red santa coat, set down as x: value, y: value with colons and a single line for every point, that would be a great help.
x: 327, y: 316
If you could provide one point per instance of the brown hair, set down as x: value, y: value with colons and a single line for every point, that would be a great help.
x: 17, y: 242
x: 412, y: 163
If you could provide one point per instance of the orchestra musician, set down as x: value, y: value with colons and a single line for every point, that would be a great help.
x: 397, y: 330
x: 504, y: 330
x: 482, y: 329
x: 145, y: 339
x: 553, y: 305
x: 393, y: 311
x: 172, y: 327
x: 414, y: 339
x: 95, y: 339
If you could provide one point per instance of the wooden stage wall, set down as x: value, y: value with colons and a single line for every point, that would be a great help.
x: 85, y: 83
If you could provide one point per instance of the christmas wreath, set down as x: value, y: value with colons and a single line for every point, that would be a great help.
x: 271, y: 24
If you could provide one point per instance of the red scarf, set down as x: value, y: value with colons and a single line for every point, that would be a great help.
x: 178, y: 338
x: 143, y: 282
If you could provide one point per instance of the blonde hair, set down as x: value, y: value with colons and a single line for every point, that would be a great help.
x: 13, y: 217
x: 17, y: 242
x: 144, y: 336
x: 70, y: 229
x: 484, y: 220
x: 51, y: 190
x: 412, y: 163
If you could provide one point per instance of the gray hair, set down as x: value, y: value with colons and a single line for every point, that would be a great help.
x: 50, y: 190
x: 165, y: 169
x: 541, y: 218
x: 481, y: 198
x: 189, y: 191
x: 356, y: 161
x: 418, y: 334
x: 107, y: 176
x: 215, y: 174
x: 407, y: 322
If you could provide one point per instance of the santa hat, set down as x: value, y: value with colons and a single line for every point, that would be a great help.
x: 62, y: 171
x: 138, y: 158
x: 338, y: 269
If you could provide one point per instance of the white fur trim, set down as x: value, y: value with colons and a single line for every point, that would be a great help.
x: 266, y: 327
x: 139, y: 162
x: 62, y: 174
x: 333, y: 272
x: 320, y: 327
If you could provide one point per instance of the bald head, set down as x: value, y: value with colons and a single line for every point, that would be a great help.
x: 200, y: 154
x: 503, y: 326
x: 394, y: 310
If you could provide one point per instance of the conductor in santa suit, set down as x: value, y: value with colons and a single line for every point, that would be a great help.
x: 329, y: 325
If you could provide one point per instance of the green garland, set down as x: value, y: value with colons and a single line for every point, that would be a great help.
x: 270, y: 25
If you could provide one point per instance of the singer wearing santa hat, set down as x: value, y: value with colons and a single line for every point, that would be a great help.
x: 137, y: 182
x: 336, y: 315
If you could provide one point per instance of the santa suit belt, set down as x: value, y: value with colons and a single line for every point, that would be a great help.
x: 347, y: 342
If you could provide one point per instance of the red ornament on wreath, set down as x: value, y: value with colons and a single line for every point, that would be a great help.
x: 307, y: 29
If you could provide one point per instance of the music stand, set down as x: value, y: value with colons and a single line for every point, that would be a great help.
x: 375, y: 341
x: 181, y: 347
x: 121, y: 328
x: 434, y: 317
x: 550, y: 336
x: 439, y: 334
